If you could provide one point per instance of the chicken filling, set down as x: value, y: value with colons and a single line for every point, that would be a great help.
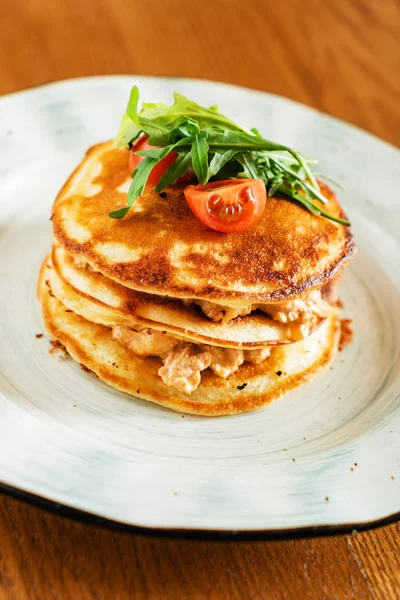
x: 306, y: 310
x: 183, y: 361
x: 81, y: 263
x: 303, y: 312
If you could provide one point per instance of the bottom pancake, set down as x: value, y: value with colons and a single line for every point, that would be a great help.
x: 252, y: 386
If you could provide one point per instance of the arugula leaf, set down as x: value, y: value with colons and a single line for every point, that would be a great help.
x: 256, y: 132
x: 158, y: 134
x: 275, y: 185
x: 119, y: 213
x: 314, y: 191
x: 140, y: 176
x: 200, y: 157
x: 160, y: 153
x: 217, y: 148
x: 205, y: 117
x: 319, y: 211
x: 154, y: 152
x: 307, y: 171
x: 330, y: 179
x: 178, y: 169
x: 239, y: 140
x: 248, y: 164
x: 128, y: 132
x: 130, y: 127
x: 186, y: 127
x: 131, y: 109
x: 292, y: 194
x: 219, y: 160
x: 157, y: 120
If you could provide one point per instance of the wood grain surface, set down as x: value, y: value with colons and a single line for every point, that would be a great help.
x: 340, y: 56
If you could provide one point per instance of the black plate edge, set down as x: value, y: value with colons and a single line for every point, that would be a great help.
x: 194, y: 534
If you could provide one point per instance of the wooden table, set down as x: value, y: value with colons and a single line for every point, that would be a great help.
x: 339, y: 56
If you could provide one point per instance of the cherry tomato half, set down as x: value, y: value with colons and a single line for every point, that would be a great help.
x: 228, y: 206
x: 159, y: 169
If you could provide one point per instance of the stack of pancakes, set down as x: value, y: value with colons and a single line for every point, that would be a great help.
x: 162, y: 307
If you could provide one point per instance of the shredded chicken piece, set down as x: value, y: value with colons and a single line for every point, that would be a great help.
x: 225, y: 361
x: 300, y: 308
x: 299, y: 331
x: 256, y: 356
x: 145, y: 342
x: 184, y: 361
x: 232, y: 313
x: 81, y: 263
x: 183, y: 365
x: 213, y: 311
x: 217, y: 312
x: 308, y: 308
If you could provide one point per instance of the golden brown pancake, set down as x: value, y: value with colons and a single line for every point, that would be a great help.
x: 102, y: 300
x: 92, y: 345
x: 121, y: 295
x: 161, y: 248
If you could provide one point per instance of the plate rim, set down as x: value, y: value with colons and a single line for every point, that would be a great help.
x: 202, y: 534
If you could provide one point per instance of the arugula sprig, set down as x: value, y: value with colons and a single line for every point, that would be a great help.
x: 217, y: 148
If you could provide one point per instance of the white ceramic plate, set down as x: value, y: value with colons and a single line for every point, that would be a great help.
x: 327, y: 455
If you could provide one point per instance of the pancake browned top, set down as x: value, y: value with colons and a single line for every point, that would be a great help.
x: 161, y: 248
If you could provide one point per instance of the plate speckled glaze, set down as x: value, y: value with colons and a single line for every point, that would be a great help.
x: 327, y: 455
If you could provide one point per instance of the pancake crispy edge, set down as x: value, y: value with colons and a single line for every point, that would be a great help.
x: 102, y: 300
x: 161, y: 248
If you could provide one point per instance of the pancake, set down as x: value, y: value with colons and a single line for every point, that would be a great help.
x: 92, y: 345
x: 104, y: 301
x: 161, y: 248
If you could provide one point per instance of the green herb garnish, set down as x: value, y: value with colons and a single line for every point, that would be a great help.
x: 217, y: 148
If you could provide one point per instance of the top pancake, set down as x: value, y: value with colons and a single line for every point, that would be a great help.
x: 161, y: 248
